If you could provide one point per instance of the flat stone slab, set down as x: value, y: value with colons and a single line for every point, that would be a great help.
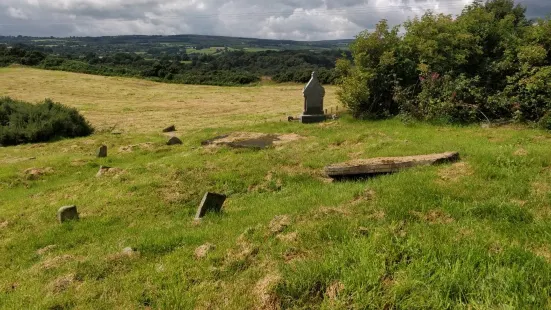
x: 67, y: 213
x: 382, y: 165
x: 251, y: 140
x: 211, y: 202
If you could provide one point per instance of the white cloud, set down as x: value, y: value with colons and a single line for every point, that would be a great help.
x: 281, y: 19
x: 17, y: 13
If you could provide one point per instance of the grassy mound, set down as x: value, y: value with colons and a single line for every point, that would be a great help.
x: 22, y: 122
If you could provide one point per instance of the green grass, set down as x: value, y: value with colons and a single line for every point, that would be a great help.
x: 468, y: 235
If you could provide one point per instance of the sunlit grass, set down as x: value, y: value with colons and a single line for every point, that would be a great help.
x: 472, y: 234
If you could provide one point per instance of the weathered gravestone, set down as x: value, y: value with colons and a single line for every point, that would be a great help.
x: 313, y: 101
x: 211, y: 203
x: 102, y: 151
x: 174, y: 141
x: 67, y: 213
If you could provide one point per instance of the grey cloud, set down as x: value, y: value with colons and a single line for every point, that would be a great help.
x: 281, y: 19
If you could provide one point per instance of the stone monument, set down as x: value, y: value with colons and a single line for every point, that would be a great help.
x: 313, y: 101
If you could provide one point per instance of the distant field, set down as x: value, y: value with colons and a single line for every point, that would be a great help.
x: 470, y: 235
x: 210, y: 50
x: 148, y: 106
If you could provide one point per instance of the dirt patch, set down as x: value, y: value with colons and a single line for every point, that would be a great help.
x: 378, y: 215
x: 290, y: 237
x: 36, y: 173
x: 540, y: 188
x: 495, y: 248
x: 253, y: 140
x: 279, y: 223
x: 243, y: 253
x: 543, y: 252
x: 367, y: 195
x: 55, y: 262
x: 14, y: 160
x: 322, y: 212
x: 334, y: 290
x: 46, y: 249
x: 140, y: 146
x: 294, y: 254
x: 4, y: 224
x: 455, y: 172
x: 202, y: 251
x: 270, y: 184
x: 434, y: 217
x: 126, y: 253
x: 520, y: 152
x: 78, y: 162
x: 263, y: 289
x: 520, y: 203
x: 62, y: 283
x: 108, y: 171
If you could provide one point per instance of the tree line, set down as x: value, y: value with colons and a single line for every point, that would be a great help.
x: 226, y: 68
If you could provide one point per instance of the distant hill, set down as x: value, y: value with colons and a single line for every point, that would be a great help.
x: 189, y: 43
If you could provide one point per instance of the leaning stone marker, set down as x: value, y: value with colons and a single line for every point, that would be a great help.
x: 174, y: 141
x: 67, y: 213
x: 211, y: 203
x: 313, y: 101
x: 102, y: 151
x: 170, y: 129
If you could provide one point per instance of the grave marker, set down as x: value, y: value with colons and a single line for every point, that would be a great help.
x: 211, y: 202
x: 67, y: 213
x: 102, y: 151
x: 313, y: 101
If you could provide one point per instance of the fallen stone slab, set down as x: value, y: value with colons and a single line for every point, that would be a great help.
x: 251, y: 140
x: 211, y: 202
x: 384, y: 165
x: 67, y: 213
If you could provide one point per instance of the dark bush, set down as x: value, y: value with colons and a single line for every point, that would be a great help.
x: 22, y: 122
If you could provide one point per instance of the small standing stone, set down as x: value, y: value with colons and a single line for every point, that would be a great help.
x: 174, y: 141
x: 67, y: 213
x: 211, y: 202
x: 170, y: 129
x: 102, y: 151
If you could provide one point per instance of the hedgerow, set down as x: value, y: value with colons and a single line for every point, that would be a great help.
x: 488, y: 63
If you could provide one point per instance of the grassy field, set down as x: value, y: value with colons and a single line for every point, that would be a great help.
x: 470, y: 235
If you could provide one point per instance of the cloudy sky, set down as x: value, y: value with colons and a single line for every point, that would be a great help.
x: 272, y: 19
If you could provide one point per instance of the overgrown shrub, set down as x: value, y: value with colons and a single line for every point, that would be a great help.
x: 488, y: 63
x: 22, y: 122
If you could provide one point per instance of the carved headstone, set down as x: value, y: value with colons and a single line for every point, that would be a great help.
x: 313, y: 101
x: 211, y: 202
x: 102, y: 151
x: 67, y: 213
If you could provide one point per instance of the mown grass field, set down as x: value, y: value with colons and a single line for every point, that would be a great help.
x: 470, y: 235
